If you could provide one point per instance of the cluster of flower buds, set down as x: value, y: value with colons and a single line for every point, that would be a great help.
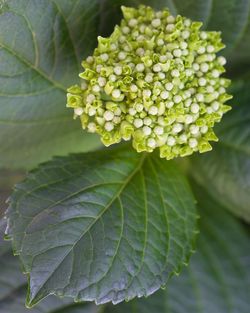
x: 155, y: 80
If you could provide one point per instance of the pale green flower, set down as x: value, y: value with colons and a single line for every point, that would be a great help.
x: 156, y: 81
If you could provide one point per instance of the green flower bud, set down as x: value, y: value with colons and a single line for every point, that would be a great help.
x: 156, y: 81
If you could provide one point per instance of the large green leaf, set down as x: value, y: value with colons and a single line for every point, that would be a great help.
x: 104, y: 227
x: 218, y: 277
x: 231, y: 17
x: 42, y: 43
x: 225, y: 171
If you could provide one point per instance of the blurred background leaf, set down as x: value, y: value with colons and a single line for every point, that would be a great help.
x: 225, y: 171
x: 42, y: 43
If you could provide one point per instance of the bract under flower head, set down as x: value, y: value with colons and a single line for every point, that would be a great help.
x: 157, y: 81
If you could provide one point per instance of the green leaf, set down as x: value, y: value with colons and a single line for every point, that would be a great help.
x: 104, y: 227
x: 218, y: 277
x: 225, y: 171
x: 13, y: 287
x: 231, y: 17
x: 42, y: 43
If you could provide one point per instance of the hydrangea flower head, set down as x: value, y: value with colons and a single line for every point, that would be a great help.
x: 156, y: 81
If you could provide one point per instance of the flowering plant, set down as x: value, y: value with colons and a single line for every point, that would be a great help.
x: 155, y: 80
x: 137, y: 205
